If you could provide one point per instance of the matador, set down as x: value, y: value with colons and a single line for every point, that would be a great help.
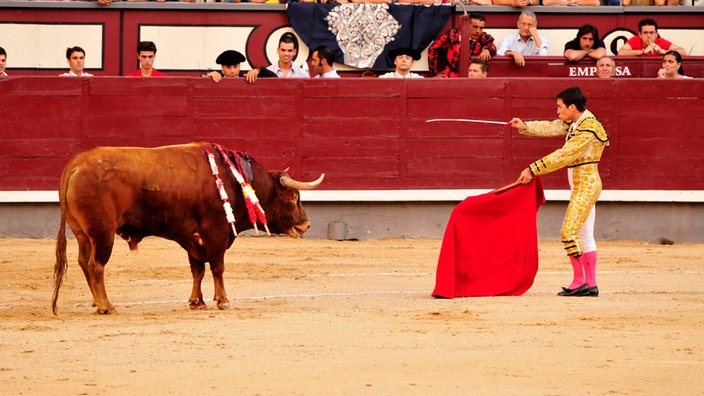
x: 585, y: 142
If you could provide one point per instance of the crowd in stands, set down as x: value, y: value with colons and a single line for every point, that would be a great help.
x: 525, y: 41
x: 587, y: 44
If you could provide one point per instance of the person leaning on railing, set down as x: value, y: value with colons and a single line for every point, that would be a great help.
x: 587, y: 44
x: 648, y: 42
x: 525, y: 41
x: 641, y: 3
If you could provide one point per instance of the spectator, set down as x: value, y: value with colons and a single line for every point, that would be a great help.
x: 586, y: 44
x: 605, y: 67
x: 583, y: 3
x: 672, y: 66
x: 146, y: 54
x: 648, y: 42
x: 525, y: 41
x: 321, y: 60
x: 514, y: 3
x: 403, y: 59
x: 478, y: 68
x: 481, y: 44
x: 3, y: 62
x: 287, y: 51
x: 229, y: 62
x: 443, y: 54
x: 76, y: 57
x: 652, y: 2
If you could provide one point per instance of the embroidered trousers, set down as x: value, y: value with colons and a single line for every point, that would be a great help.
x: 587, y: 187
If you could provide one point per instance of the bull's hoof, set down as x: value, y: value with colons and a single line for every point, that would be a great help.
x: 222, y: 302
x: 105, y: 311
x: 197, y: 304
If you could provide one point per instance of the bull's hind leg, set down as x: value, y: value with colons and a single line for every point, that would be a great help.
x: 102, y: 249
x: 217, y: 267
x: 84, y: 253
x: 198, y: 270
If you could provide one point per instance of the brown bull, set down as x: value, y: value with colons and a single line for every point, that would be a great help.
x: 168, y: 192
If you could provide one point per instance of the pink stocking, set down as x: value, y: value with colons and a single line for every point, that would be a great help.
x: 589, y: 262
x: 578, y: 279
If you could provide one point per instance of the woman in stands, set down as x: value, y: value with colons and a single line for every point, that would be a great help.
x: 671, y: 66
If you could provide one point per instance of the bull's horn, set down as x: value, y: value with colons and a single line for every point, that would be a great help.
x: 287, y: 181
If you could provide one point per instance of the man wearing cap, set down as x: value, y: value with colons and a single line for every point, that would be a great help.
x: 403, y: 59
x: 229, y: 62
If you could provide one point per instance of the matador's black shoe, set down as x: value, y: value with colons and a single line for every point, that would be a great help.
x: 594, y: 291
x: 576, y: 292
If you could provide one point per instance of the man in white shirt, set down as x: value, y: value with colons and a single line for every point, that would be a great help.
x: 76, y: 57
x: 321, y: 60
x: 526, y: 41
x: 403, y: 59
x: 284, y: 68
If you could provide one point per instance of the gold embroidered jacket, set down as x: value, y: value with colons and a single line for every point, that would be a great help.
x: 583, y: 145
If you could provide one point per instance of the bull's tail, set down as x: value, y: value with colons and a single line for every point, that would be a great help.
x: 61, y: 265
x: 61, y: 262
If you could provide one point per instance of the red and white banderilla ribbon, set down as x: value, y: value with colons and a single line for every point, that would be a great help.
x: 250, y: 197
x: 221, y: 190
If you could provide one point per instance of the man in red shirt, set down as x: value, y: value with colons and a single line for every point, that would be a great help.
x: 146, y: 52
x: 648, y: 42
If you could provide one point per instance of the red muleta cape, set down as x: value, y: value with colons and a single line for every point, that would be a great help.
x: 490, y: 247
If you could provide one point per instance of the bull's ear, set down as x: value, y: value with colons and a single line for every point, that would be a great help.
x: 287, y: 181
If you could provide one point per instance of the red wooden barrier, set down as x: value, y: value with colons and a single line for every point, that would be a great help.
x: 364, y: 133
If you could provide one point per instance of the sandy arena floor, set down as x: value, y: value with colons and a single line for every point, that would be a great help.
x: 354, y: 317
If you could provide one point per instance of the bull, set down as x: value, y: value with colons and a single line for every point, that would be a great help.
x: 169, y: 192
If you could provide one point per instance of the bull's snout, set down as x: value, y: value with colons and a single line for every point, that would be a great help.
x: 299, y: 229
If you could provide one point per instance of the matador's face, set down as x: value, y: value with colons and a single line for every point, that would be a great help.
x: 566, y: 113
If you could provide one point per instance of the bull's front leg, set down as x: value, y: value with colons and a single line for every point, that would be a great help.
x: 198, y: 270
x: 217, y: 267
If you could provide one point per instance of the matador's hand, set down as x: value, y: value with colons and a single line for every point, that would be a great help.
x: 518, y: 124
x: 525, y: 177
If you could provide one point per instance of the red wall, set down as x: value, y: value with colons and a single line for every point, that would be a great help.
x: 364, y: 133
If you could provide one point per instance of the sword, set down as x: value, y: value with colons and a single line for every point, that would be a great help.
x: 468, y: 120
